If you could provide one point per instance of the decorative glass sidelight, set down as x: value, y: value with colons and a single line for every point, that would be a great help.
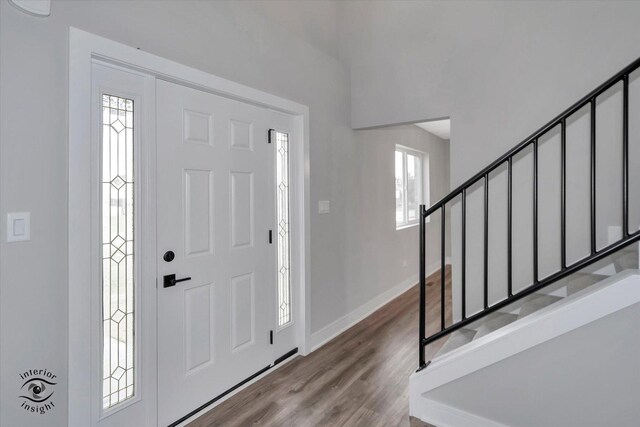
x: 282, y: 218
x: 118, y: 267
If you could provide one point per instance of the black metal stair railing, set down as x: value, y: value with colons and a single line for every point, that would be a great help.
x: 565, y: 269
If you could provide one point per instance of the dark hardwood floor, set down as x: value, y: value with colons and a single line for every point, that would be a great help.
x: 360, y: 378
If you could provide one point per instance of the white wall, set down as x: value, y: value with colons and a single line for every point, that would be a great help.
x: 375, y: 183
x: 372, y: 256
x: 587, y: 377
x: 500, y: 70
x: 282, y: 48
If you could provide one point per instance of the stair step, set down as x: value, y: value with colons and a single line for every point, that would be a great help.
x: 623, y: 259
x: 630, y: 249
x: 493, y: 322
x: 516, y: 306
x: 580, y: 281
x: 627, y: 260
x: 457, y: 339
x: 538, y: 303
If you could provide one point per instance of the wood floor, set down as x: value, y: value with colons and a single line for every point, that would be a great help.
x: 360, y: 378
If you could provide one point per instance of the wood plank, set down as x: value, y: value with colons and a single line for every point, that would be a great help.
x: 360, y: 378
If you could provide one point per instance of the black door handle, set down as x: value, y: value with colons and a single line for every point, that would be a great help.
x: 170, y: 280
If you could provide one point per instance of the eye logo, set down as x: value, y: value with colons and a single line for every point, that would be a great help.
x: 37, y: 390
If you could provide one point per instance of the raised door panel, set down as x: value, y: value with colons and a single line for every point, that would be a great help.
x: 242, y: 209
x: 242, y: 311
x: 199, y: 327
x: 198, y: 215
x: 197, y: 127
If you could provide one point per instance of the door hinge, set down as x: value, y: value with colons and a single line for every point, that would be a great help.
x: 270, y: 237
x: 271, y: 337
x: 270, y: 135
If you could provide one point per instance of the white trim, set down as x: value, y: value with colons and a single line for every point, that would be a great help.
x: 608, y: 296
x: 404, y: 227
x: 335, y: 328
x: 410, y: 150
x: 441, y: 415
x: 83, y: 48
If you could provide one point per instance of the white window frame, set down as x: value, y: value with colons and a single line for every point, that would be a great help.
x: 422, y: 178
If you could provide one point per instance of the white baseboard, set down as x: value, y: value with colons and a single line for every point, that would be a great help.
x: 442, y: 415
x: 435, y: 266
x: 332, y: 330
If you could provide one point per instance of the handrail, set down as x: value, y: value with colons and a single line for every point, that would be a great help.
x: 565, y: 270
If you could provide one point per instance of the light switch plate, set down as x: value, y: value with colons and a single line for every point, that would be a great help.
x: 18, y: 226
x: 324, y: 206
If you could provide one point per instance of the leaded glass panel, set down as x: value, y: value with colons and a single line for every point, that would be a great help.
x: 118, y: 269
x: 282, y: 217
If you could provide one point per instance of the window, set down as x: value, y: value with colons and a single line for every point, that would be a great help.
x: 409, y: 184
x: 118, y: 274
x: 282, y: 218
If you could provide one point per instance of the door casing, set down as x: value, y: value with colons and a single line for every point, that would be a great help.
x: 84, y: 49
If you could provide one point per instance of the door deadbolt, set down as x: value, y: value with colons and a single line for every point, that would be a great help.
x: 168, y: 256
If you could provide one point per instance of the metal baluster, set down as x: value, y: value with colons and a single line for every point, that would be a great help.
x: 563, y: 193
x: 625, y: 156
x: 486, y: 240
x: 510, y: 227
x: 423, y: 285
x: 535, y: 210
x: 464, y: 253
x: 593, y: 175
x: 442, y: 264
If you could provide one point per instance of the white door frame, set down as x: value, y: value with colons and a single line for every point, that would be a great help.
x: 83, y: 49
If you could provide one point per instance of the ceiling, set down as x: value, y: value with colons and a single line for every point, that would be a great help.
x: 440, y: 128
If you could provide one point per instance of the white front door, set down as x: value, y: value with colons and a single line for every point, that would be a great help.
x: 215, y: 209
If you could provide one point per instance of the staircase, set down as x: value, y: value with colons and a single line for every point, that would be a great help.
x: 623, y: 260
x: 555, y: 304
x: 572, y: 363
